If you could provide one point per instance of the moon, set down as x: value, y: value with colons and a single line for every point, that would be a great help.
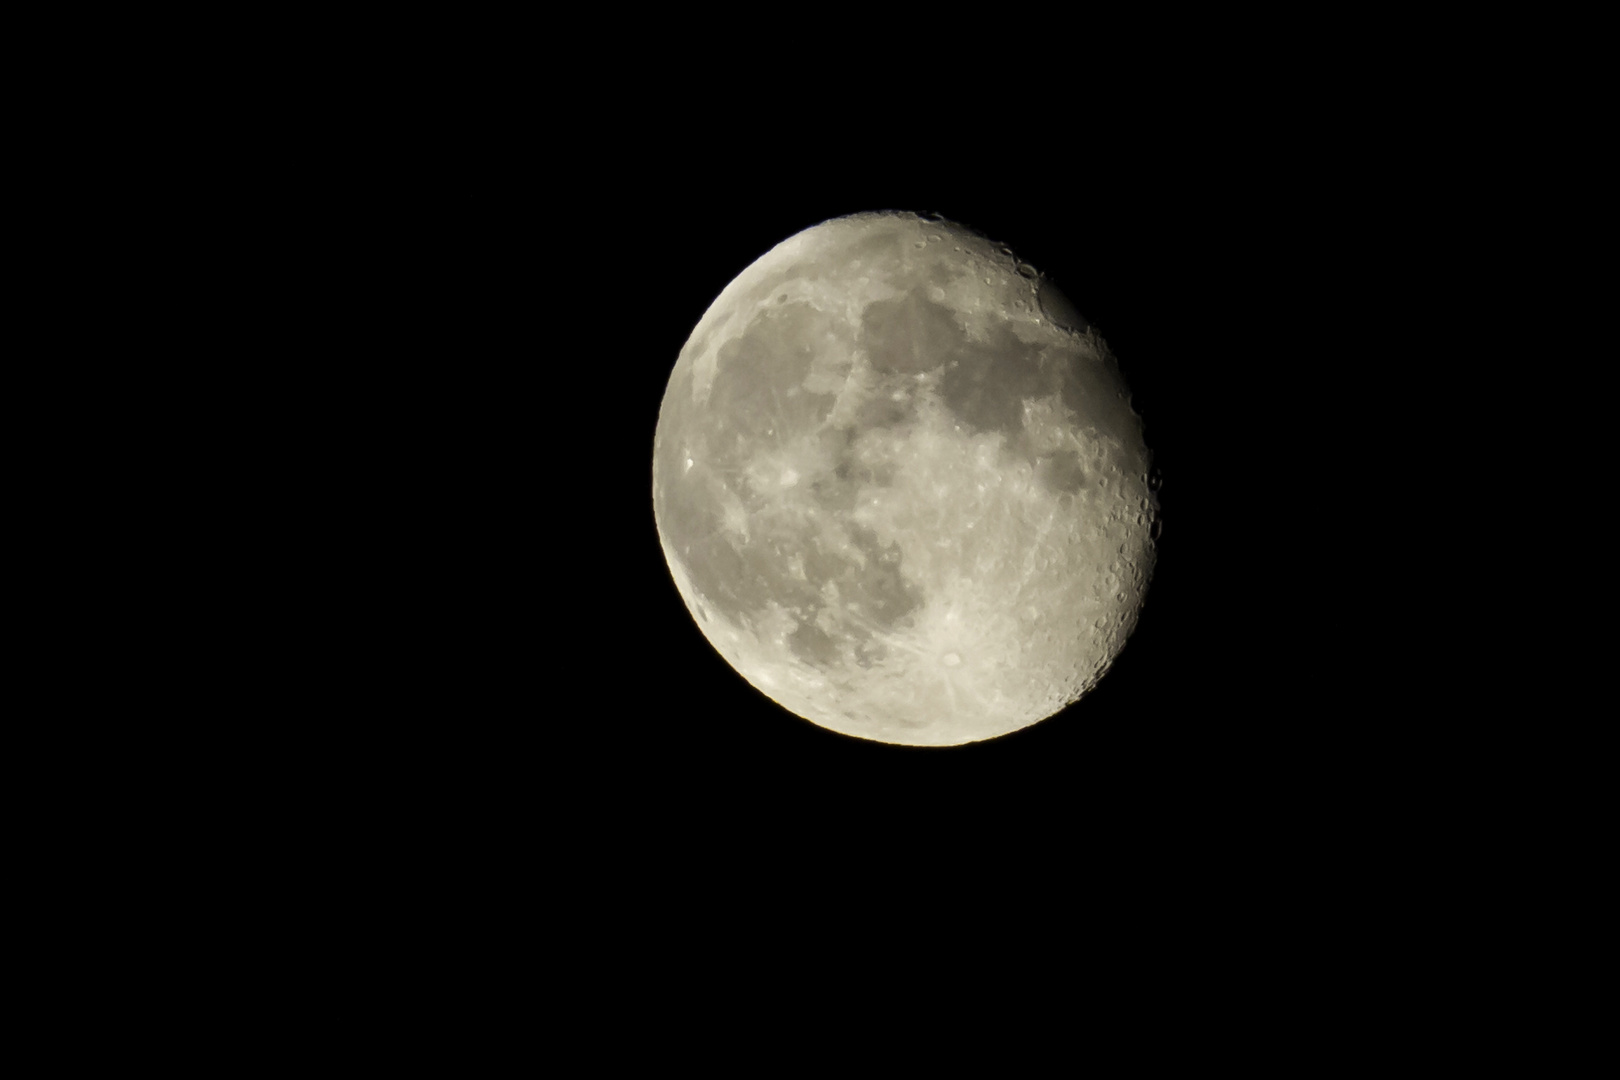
x: 900, y: 485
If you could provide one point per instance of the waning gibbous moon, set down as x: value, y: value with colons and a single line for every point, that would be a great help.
x: 900, y: 486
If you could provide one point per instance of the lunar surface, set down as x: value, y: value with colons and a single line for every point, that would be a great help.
x: 900, y: 485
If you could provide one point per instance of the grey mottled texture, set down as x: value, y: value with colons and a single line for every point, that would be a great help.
x: 900, y: 486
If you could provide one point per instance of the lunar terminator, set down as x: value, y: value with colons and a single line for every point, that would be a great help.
x: 900, y: 486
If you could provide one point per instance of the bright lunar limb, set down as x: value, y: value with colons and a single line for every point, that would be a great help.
x: 900, y: 486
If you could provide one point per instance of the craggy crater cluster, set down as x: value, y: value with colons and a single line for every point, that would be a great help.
x: 900, y: 486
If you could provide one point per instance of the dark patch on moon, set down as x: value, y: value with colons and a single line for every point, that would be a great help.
x: 698, y: 343
x: 811, y: 644
x: 851, y: 473
x: 758, y: 397
x: 890, y: 404
x: 882, y: 592
x: 876, y: 593
x: 1061, y: 472
x: 688, y: 514
x: 737, y: 576
x: 1057, y: 307
x: 909, y: 334
x: 869, y: 653
x: 740, y: 577
x: 987, y: 383
x: 1094, y: 390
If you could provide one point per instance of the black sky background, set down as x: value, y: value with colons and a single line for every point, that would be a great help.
x: 439, y: 701
x: 448, y: 727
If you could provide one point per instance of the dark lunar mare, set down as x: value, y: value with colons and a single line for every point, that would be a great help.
x: 758, y: 402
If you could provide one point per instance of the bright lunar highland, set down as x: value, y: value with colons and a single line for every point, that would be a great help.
x: 900, y: 485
